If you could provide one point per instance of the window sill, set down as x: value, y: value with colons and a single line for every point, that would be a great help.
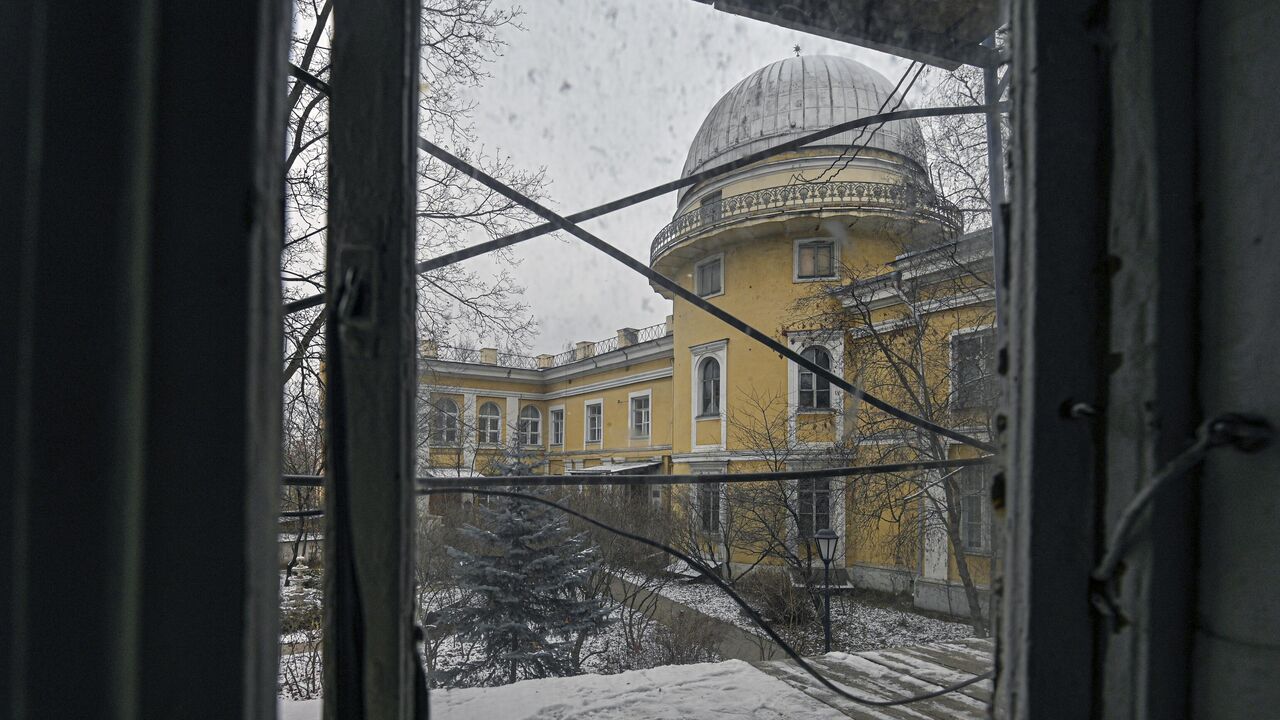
x: 708, y: 296
x: 822, y: 278
x: 815, y: 411
x: 715, y: 416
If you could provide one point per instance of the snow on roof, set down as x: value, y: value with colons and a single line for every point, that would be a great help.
x: 731, y: 689
x: 615, y: 468
x: 452, y: 473
x: 769, y: 690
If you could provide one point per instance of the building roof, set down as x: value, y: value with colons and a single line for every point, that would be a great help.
x: 799, y: 95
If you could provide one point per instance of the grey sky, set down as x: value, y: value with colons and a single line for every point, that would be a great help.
x: 607, y: 95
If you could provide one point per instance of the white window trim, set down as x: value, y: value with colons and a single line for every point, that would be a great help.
x: 551, y: 438
x: 795, y: 260
x: 834, y: 344
x: 718, y: 349
x: 541, y: 425
x: 836, y: 487
x: 502, y: 413
x: 433, y: 440
x: 632, y: 437
x: 986, y: 527
x: 951, y: 356
x: 711, y: 468
x: 586, y: 422
x: 704, y: 261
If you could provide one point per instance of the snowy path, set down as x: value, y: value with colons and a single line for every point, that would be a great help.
x: 899, y: 672
x: 734, y: 642
x: 770, y: 690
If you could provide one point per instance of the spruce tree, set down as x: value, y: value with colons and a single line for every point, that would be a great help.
x: 527, y: 611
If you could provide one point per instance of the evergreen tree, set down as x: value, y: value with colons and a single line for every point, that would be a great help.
x: 527, y: 609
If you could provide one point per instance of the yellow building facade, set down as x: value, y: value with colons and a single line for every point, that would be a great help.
x: 842, y: 251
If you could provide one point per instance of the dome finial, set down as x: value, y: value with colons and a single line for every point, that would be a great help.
x: 797, y: 49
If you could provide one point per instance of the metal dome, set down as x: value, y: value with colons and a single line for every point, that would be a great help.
x: 789, y: 98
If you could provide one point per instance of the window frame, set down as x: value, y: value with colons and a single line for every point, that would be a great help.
x: 647, y: 396
x: 556, y: 425
x: 697, y: 274
x: 702, y: 413
x: 715, y: 199
x: 971, y: 487
x: 809, y: 508
x: 439, y: 436
x: 483, y: 422
x: 817, y: 381
x: 961, y: 395
x: 586, y: 421
x: 712, y: 491
x: 798, y: 247
x: 524, y: 436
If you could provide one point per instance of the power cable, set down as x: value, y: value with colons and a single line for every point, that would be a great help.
x: 879, y: 127
x: 613, y: 479
x: 728, y: 590
x: 690, y: 297
x: 1246, y: 433
x: 643, y: 195
x: 854, y: 144
x: 720, y: 583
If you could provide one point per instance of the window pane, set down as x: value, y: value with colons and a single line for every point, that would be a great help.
x: 708, y: 278
x: 815, y: 259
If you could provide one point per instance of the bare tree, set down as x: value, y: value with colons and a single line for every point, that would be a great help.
x: 921, y: 337
x: 956, y: 145
x: 782, y: 515
x: 459, y: 37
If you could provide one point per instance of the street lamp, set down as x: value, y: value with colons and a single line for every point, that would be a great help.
x: 827, y: 540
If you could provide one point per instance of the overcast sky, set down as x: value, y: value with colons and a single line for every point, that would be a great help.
x: 607, y: 95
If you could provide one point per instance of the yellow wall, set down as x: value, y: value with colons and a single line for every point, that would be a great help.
x: 759, y: 288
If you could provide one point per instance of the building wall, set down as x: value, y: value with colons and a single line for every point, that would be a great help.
x: 758, y: 395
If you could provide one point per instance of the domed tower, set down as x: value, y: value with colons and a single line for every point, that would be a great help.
x: 760, y: 238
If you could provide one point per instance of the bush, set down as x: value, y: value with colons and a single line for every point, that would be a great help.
x: 780, y: 600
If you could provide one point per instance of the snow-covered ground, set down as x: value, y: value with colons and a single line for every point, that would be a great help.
x: 710, y: 691
x: 856, y: 624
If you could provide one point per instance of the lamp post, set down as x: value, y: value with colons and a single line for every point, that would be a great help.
x: 827, y: 540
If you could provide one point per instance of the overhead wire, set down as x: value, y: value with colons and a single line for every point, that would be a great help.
x: 635, y: 198
x: 297, y: 480
x: 706, y: 572
x: 561, y: 223
x: 856, y: 144
x: 690, y: 297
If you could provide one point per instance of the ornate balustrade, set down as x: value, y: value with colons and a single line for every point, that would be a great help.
x: 582, y: 352
x: 904, y: 198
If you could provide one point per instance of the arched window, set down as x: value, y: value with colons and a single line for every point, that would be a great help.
x: 815, y: 390
x: 709, y: 384
x: 530, y: 426
x: 490, y: 423
x: 444, y: 423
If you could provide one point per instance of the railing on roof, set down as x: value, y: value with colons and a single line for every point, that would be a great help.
x: 919, y: 200
x: 475, y: 355
x: 583, y: 351
x: 600, y: 347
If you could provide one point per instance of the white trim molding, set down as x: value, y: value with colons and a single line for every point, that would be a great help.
x: 795, y: 260
x: 836, y: 490
x: 833, y: 343
x: 708, y: 259
x: 718, y: 349
x: 586, y: 422
x: 632, y: 438
x: 551, y: 426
